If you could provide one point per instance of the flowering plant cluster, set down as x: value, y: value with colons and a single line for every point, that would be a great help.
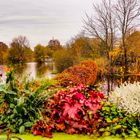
x: 73, y: 111
x: 127, y: 97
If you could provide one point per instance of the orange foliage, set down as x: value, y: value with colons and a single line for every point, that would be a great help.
x: 3, y: 108
x: 84, y: 73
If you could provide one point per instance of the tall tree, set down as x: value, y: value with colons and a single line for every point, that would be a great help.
x: 127, y: 12
x: 17, y: 50
x: 102, y: 24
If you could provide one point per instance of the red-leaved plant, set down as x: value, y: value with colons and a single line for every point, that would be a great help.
x: 73, y: 111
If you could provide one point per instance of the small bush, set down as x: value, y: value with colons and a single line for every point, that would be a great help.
x: 85, y: 73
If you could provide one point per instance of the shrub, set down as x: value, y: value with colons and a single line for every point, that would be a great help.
x: 127, y: 97
x: 72, y: 111
x: 115, y: 121
x: 84, y: 73
x: 19, y: 106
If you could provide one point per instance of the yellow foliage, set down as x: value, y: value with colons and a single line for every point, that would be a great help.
x: 133, y: 43
x: 115, y: 52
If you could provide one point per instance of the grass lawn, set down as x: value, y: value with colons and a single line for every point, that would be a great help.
x: 62, y: 136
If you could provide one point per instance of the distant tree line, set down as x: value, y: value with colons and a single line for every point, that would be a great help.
x: 20, y: 52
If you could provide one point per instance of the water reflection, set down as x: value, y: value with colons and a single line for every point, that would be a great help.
x: 19, y: 69
x: 34, y: 70
x: 41, y: 69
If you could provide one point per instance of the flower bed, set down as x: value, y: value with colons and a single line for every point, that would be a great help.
x: 42, y: 109
x: 73, y: 111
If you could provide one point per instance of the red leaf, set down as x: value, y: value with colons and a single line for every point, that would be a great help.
x: 36, y: 132
x: 72, y: 111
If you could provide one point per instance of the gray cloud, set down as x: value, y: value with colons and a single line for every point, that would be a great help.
x: 40, y: 20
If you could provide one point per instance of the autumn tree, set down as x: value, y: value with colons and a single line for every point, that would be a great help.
x: 17, y: 50
x: 54, y: 45
x: 3, y: 52
x: 64, y: 58
x: 127, y: 12
x: 85, y: 47
x: 133, y: 48
x: 133, y: 43
x: 49, y: 52
x: 40, y: 53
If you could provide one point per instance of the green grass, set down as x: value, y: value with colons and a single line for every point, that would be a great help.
x: 62, y: 136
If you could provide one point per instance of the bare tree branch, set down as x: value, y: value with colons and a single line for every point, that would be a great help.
x: 102, y: 25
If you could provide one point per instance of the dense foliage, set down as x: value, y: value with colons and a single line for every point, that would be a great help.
x: 114, y: 121
x: 73, y: 111
x: 39, y: 53
x: 84, y: 73
x: 20, y: 51
x: 63, y: 59
x: 20, y: 107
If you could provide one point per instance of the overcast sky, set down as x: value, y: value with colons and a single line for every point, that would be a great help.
x: 41, y: 20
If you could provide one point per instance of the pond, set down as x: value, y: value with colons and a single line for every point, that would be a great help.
x: 33, y: 70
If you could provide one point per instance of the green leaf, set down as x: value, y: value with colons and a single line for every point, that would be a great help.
x: 15, y: 111
x: 106, y: 133
x: 19, y: 108
x: 106, y: 109
x: 124, y: 135
x: 28, y: 124
x: 138, y: 135
x: 135, y: 129
x: 12, y: 116
x: 2, y: 89
x: 117, y: 127
x: 12, y: 106
x: 101, y: 130
x: 25, y: 111
x: 108, y: 120
x: 20, y: 121
x: 22, y: 129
